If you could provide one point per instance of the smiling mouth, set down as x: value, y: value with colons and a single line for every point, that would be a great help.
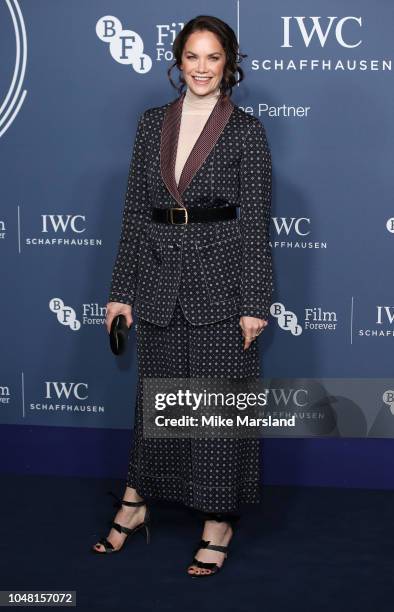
x: 201, y: 80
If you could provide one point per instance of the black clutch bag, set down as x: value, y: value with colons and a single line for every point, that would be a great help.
x: 118, y: 334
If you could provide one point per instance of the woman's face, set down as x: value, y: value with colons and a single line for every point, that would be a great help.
x: 204, y: 56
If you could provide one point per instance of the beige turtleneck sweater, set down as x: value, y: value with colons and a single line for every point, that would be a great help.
x: 195, y: 112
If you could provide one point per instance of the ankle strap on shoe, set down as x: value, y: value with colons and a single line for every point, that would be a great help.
x: 207, y: 544
x: 221, y: 517
x: 131, y: 503
x: 119, y: 502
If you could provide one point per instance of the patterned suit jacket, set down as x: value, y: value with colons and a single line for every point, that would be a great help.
x: 218, y: 268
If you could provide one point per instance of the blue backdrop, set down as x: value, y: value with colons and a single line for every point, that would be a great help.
x: 75, y: 77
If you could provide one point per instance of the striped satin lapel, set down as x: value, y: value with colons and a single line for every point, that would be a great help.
x: 168, y: 146
x: 204, y: 144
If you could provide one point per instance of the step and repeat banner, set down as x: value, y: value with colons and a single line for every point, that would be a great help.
x: 74, y: 78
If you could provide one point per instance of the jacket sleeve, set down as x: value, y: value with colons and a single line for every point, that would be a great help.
x: 255, y: 215
x: 136, y: 212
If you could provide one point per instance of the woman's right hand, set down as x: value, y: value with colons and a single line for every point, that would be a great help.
x: 114, y: 309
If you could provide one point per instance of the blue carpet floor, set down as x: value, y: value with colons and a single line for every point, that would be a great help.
x: 310, y: 549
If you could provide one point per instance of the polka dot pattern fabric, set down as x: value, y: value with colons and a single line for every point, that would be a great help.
x: 230, y: 165
x: 211, y: 475
x: 189, y: 285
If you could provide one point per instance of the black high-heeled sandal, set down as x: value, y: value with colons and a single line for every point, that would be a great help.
x: 109, y: 548
x: 213, y: 567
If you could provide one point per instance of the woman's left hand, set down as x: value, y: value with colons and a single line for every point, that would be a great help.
x: 251, y: 328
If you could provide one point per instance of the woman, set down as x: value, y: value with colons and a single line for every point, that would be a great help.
x: 199, y: 279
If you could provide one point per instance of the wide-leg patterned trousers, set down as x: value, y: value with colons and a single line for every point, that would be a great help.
x: 210, y: 475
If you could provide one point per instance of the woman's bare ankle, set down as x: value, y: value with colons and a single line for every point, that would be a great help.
x: 218, y: 531
x: 131, y: 494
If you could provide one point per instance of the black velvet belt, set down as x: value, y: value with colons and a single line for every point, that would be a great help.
x: 181, y: 216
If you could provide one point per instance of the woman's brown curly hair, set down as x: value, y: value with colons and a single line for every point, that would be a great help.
x: 228, y: 40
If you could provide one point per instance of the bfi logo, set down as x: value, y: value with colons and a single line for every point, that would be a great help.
x: 125, y: 46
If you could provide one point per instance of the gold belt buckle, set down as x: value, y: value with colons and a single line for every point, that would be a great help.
x: 172, y: 218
